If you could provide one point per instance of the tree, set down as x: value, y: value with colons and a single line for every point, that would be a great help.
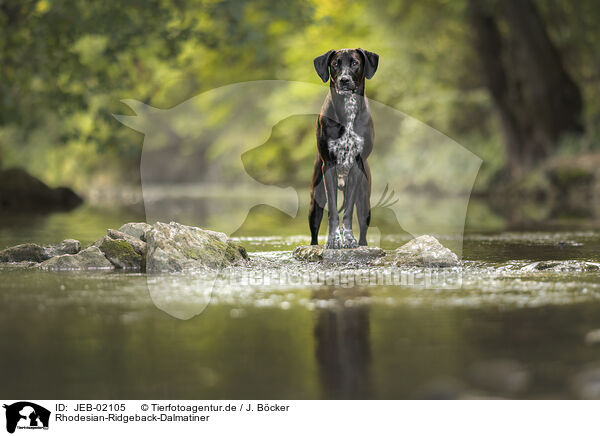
x: 536, y: 98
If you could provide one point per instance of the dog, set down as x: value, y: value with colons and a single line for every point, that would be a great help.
x: 345, y: 137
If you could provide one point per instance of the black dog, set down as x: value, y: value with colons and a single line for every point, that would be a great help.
x: 344, y: 141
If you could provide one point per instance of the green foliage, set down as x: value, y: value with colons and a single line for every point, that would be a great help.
x: 66, y: 64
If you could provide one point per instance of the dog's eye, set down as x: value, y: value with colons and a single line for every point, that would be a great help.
x: 354, y: 63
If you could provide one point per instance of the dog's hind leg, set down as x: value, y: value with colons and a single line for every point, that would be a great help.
x: 318, y: 199
x: 363, y: 201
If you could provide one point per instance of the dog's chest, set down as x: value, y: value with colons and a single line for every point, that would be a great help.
x: 350, y: 144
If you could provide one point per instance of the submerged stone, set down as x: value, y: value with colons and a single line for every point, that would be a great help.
x: 176, y: 247
x: 24, y: 264
x: 90, y: 258
x: 562, y: 266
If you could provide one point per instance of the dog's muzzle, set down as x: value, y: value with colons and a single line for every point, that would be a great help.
x: 345, y: 84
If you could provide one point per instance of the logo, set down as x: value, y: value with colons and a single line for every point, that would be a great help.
x: 26, y: 415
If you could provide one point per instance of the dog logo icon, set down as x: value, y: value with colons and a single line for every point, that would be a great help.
x: 26, y: 415
x: 224, y: 157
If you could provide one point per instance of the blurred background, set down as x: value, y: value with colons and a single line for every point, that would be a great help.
x: 515, y: 82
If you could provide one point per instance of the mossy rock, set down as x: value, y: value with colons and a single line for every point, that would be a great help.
x: 121, y: 253
x: 176, y: 247
x: 24, y: 253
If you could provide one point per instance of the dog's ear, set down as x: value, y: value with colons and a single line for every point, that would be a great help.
x: 322, y: 65
x: 371, y: 62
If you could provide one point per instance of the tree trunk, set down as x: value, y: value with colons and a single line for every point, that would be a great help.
x: 536, y: 99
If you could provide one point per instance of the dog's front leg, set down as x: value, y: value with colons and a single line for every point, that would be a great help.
x: 334, y: 239
x: 350, y: 197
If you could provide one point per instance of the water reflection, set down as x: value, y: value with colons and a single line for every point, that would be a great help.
x: 342, y: 345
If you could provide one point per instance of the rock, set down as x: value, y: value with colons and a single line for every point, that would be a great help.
x: 121, y: 253
x: 311, y: 253
x: 68, y: 246
x: 37, y: 253
x: 593, y: 337
x: 500, y: 376
x: 137, y: 230
x: 562, y: 266
x: 138, y: 245
x: 353, y: 255
x: 24, y: 264
x: 24, y: 253
x: 175, y: 247
x: 90, y: 258
x: 314, y: 253
x: 21, y: 191
x: 424, y: 251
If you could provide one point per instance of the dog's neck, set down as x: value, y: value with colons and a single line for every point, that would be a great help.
x: 347, y: 104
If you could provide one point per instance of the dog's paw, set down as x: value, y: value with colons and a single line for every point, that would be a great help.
x: 349, y: 239
x: 334, y: 240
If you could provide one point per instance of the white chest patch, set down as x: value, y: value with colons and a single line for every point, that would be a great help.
x: 350, y: 144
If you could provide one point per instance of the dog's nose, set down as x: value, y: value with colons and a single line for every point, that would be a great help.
x: 344, y: 81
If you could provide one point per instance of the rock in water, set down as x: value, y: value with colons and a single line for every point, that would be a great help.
x: 24, y: 253
x: 311, y: 253
x: 137, y: 230
x: 68, y: 246
x: 138, y: 245
x: 556, y: 266
x: 90, y: 258
x: 175, y: 247
x: 424, y: 251
x: 315, y: 253
x: 36, y: 253
x: 121, y: 253
x: 353, y: 255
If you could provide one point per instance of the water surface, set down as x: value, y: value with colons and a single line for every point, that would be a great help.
x: 504, y: 333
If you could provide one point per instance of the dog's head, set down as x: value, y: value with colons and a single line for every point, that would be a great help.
x: 346, y: 68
